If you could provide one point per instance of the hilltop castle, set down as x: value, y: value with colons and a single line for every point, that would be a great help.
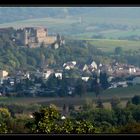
x: 35, y: 36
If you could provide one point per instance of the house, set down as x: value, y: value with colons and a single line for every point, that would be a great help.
x: 93, y: 65
x: 63, y: 118
x: 67, y: 68
x: 113, y: 85
x: 132, y: 70
x: 47, y: 73
x: 73, y: 62
x: 122, y: 84
x: 58, y: 75
x: 118, y: 84
x: 69, y: 65
x: 44, y: 74
x: 85, y: 79
x: 110, y: 78
x: 11, y: 81
x: 100, y: 65
x: 85, y: 67
x: 56, y: 45
x: 3, y: 73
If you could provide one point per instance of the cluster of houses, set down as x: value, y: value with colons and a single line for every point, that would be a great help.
x: 114, y: 71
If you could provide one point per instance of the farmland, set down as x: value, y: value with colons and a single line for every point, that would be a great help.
x: 123, y: 93
x: 108, y: 45
x: 91, y: 25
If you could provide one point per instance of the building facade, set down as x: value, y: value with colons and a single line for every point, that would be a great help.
x: 34, y: 37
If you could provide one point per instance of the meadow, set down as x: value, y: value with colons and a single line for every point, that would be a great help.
x: 108, y: 45
x: 124, y: 94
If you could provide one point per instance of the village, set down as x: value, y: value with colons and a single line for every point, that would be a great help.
x: 118, y: 75
x: 34, y: 83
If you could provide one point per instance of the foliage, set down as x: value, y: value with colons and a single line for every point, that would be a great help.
x: 115, y: 101
x: 99, y: 103
x: 48, y: 120
x: 136, y: 100
x: 4, y: 117
x: 133, y: 128
x: 104, y: 80
x: 118, y: 50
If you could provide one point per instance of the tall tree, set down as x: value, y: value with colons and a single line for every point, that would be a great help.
x: 104, y: 80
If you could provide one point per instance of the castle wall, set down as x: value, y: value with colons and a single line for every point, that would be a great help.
x: 48, y: 39
x: 30, y: 36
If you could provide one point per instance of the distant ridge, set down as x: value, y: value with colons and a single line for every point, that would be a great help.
x: 10, y: 14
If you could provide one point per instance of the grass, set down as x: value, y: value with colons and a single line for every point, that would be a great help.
x: 123, y: 93
x: 48, y: 22
x: 108, y: 45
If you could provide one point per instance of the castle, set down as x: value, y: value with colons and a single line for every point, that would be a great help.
x: 35, y: 36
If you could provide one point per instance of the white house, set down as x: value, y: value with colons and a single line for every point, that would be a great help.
x: 46, y: 74
x: 69, y: 65
x: 94, y: 65
x: 123, y: 84
x: 67, y: 68
x: 132, y: 70
x: 63, y: 117
x: 85, y: 67
x: 58, y: 75
x: 100, y: 65
x: 85, y: 79
x: 27, y: 75
x: 110, y: 78
x: 56, y: 46
x: 73, y: 62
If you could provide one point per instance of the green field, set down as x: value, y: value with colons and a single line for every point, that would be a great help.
x: 123, y: 93
x: 70, y: 25
x: 50, y: 22
x: 108, y: 45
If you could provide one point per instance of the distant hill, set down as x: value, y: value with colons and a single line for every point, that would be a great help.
x: 10, y: 14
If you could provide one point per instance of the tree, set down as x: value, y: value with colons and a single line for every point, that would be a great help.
x: 100, y: 103
x: 45, y: 121
x: 71, y: 107
x: 80, y: 88
x: 130, y: 128
x: 115, y: 102
x: 123, y: 116
x: 48, y: 120
x: 136, y: 100
x: 4, y: 117
x: 118, y: 50
x: 104, y: 80
x: 96, y: 86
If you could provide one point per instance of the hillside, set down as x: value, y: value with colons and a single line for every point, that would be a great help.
x: 107, y: 22
x: 22, y: 13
